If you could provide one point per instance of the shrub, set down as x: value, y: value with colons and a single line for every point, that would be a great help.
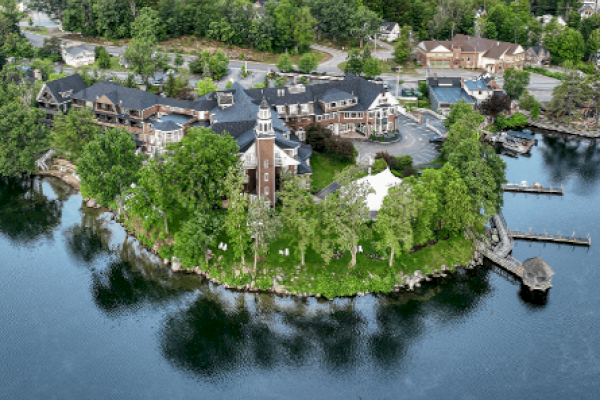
x: 316, y: 136
x: 378, y: 166
x: 535, y: 113
x: 390, y: 160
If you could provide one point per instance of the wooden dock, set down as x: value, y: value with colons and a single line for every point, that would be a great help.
x: 515, y: 187
x: 558, y: 238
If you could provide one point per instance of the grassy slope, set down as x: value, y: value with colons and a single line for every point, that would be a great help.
x: 325, y: 167
x: 336, y: 278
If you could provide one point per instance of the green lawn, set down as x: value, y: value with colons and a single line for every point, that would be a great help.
x: 386, y: 66
x: 336, y: 278
x: 325, y: 167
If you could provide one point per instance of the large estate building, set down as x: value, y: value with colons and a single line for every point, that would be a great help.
x: 269, y: 125
x: 469, y: 52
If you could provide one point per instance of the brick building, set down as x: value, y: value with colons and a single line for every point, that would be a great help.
x: 269, y: 125
x: 470, y: 52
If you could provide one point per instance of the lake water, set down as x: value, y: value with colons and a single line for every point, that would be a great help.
x: 85, y: 314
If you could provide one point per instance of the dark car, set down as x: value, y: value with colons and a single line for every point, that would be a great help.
x: 437, y: 139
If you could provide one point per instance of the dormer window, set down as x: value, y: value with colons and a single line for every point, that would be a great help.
x: 225, y: 100
x: 66, y: 94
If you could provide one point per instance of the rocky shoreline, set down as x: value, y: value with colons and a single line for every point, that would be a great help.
x: 408, y: 283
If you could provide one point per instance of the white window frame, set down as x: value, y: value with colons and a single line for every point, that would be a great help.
x: 267, y: 191
x: 266, y: 163
x: 266, y: 177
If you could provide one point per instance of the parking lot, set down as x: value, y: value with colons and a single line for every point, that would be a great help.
x: 414, y: 141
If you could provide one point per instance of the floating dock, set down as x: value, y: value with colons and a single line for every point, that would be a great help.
x: 535, y: 274
x: 558, y: 238
x: 535, y: 189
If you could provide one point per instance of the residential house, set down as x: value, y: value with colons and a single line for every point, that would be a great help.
x: 482, y: 88
x: 546, y: 18
x: 77, y: 55
x: 537, y: 56
x: 470, y: 52
x: 595, y: 58
x: 389, y: 31
x: 587, y: 10
x: 56, y: 96
x: 445, y: 92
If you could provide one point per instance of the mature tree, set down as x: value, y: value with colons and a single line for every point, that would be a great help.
x: 498, y: 103
x: 354, y: 63
x: 574, y: 19
x: 303, y: 29
x: 552, y: 31
x: 427, y: 192
x: 365, y: 23
x: 216, y: 65
x: 571, y: 46
x: 298, y: 214
x: 459, y: 110
x: 458, y: 209
x: 526, y: 101
x: 205, y: 86
x: 196, y: 236
x: 263, y: 225
x: 593, y: 91
x: 73, y: 131
x: 515, y: 82
x: 158, y: 189
x: 139, y: 54
x: 284, y: 63
x: 51, y: 49
x: 147, y: 25
x: 22, y: 137
x: 402, y: 47
x: 237, y: 213
x: 102, y: 57
x: 108, y: 165
x: 481, y: 169
x: 394, y: 220
x: 198, y: 166
x: 308, y: 63
x: 593, y: 42
x: 568, y: 95
x: 372, y: 67
x: 178, y: 60
x: 346, y: 212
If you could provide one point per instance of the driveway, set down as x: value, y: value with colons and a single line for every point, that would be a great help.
x: 337, y: 57
x: 415, y: 141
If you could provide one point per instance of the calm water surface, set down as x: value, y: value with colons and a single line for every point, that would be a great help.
x: 85, y: 314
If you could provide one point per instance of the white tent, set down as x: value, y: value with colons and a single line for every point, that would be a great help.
x: 380, y: 183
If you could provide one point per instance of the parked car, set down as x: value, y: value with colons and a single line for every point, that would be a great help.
x: 436, y: 139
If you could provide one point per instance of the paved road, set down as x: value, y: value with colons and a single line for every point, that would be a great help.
x: 337, y: 57
x: 415, y: 141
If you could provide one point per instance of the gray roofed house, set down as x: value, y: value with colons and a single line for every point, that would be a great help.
x: 77, y: 55
x: 56, y: 96
x: 537, y: 274
x: 445, y: 92
x: 537, y: 56
x: 389, y: 31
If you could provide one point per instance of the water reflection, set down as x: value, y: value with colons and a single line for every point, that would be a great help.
x: 89, y: 239
x: 26, y: 213
x: 212, y: 338
x: 564, y: 158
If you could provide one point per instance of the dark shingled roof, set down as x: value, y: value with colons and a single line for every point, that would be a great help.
x: 389, y: 26
x: 131, y: 98
x: 73, y: 82
x: 335, y: 95
x: 492, y: 48
x: 537, y: 49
